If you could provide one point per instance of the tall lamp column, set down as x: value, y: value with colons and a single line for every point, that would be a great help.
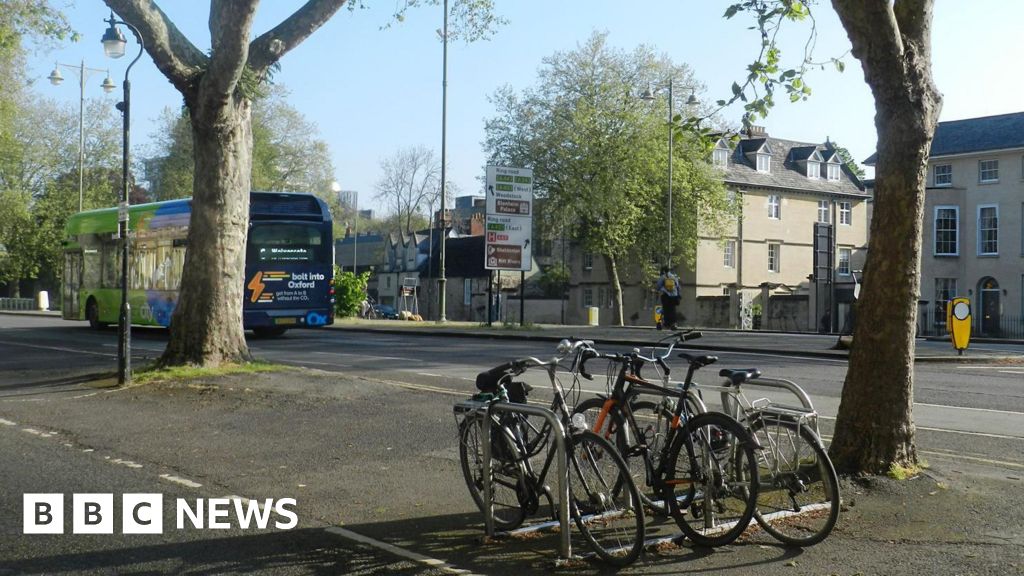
x: 441, y: 281
x: 56, y: 78
x: 114, y: 47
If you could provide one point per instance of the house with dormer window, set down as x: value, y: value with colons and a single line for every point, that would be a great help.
x: 786, y: 187
x: 973, y: 236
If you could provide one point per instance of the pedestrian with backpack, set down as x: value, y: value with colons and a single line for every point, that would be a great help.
x: 668, y: 290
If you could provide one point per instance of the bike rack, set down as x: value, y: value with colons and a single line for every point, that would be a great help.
x: 561, y: 458
x: 792, y: 387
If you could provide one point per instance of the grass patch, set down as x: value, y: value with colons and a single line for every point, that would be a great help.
x: 898, y: 472
x: 152, y: 374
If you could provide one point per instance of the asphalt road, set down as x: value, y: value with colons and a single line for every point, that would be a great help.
x: 379, y: 386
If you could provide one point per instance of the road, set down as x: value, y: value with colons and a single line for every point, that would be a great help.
x: 969, y: 416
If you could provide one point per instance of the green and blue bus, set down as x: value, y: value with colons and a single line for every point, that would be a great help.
x: 289, y: 263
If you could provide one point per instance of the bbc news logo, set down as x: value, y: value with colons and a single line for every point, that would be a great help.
x: 144, y: 514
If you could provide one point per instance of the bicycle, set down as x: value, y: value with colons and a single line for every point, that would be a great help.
x: 798, y: 500
x: 603, y: 500
x: 699, y: 464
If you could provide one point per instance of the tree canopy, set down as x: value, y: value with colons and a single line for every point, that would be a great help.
x: 599, y: 154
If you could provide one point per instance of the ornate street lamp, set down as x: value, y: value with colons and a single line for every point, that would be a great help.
x: 113, y: 46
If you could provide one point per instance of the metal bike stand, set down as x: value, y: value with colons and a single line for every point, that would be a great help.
x: 561, y: 457
x: 781, y: 384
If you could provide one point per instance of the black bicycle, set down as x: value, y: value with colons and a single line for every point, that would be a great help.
x: 699, y: 467
x: 603, y: 500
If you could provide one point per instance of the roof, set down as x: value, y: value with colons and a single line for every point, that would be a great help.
x: 979, y: 134
x: 1001, y: 132
x: 786, y: 172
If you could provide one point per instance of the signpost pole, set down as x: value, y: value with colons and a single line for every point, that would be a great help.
x: 490, y: 297
x: 522, y: 298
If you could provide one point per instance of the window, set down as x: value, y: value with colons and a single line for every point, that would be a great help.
x: 588, y: 261
x: 947, y: 222
x: 988, y: 171
x: 988, y: 229
x: 720, y: 157
x: 764, y: 163
x: 844, y: 261
x: 845, y: 213
x: 945, y: 290
x: 774, y: 207
x: 467, y: 291
x: 813, y: 169
x: 730, y: 254
x: 773, y: 257
x: 588, y: 297
x: 833, y: 172
x: 942, y: 175
x: 823, y: 211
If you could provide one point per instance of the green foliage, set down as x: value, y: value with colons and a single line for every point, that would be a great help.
x: 765, y: 74
x: 287, y: 154
x: 35, y: 18
x: 599, y: 152
x: 349, y: 292
x: 848, y: 161
x: 469, y: 20
x: 554, y: 280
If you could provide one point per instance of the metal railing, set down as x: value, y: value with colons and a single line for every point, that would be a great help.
x: 561, y: 461
x: 17, y: 304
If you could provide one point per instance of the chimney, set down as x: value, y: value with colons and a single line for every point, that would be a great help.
x: 757, y: 132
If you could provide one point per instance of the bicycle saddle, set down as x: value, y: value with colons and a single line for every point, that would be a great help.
x: 737, y: 377
x: 700, y: 361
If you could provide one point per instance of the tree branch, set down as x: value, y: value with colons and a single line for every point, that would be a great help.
x: 230, y: 26
x: 266, y: 50
x: 174, y: 55
x: 875, y: 36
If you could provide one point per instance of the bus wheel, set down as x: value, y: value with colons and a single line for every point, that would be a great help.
x: 92, y: 314
x: 268, y: 331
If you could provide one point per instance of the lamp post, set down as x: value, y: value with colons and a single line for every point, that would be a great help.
x: 113, y: 46
x: 84, y: 71
x: 649, y: 95
x: 444, y: 123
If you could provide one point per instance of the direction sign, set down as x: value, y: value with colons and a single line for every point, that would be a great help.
x: 508, y: 225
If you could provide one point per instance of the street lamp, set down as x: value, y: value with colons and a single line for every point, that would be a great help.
x: 692, y: 100
x: 113, y: 46
x: 56, y: 78
x: 441, y: 280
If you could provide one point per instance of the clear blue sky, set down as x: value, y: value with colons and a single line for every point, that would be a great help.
x: 373, y: 91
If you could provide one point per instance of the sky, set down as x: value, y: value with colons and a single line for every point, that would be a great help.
x: 372, y: 91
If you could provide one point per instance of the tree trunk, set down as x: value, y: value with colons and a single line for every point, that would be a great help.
x: 874, y: 427
x: 616, y: 286
x: 212, y: 284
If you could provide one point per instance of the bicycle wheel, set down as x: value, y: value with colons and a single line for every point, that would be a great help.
x: 508, y: 473
x: 604, y: 500
x: 653, y: 421
x: 710, y: 483
x: 798, y: 496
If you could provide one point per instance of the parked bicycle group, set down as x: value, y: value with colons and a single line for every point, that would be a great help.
x: 648, y: 446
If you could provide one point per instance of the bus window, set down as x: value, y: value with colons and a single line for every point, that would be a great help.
x: 286, y: 243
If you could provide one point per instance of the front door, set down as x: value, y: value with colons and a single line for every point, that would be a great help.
x: 989, y: 290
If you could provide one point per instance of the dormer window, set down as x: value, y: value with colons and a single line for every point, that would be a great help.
x: 833, y: 171
x: 764, y: 163
x: 720, y: 157
x: 813, y: 169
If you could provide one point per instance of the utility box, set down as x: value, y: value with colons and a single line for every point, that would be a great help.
x: 593, y: 316
x: 43, y: 300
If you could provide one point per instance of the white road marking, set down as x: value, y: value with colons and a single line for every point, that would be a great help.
x: 400, y: 552
x: 182, y: 481
x: 56, y: 348
x: 367, y: 356
x: 969, y: 408
x: 949, y: 431
x: 7, y: 422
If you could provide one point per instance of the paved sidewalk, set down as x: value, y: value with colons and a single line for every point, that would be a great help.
x: 782, y: 343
